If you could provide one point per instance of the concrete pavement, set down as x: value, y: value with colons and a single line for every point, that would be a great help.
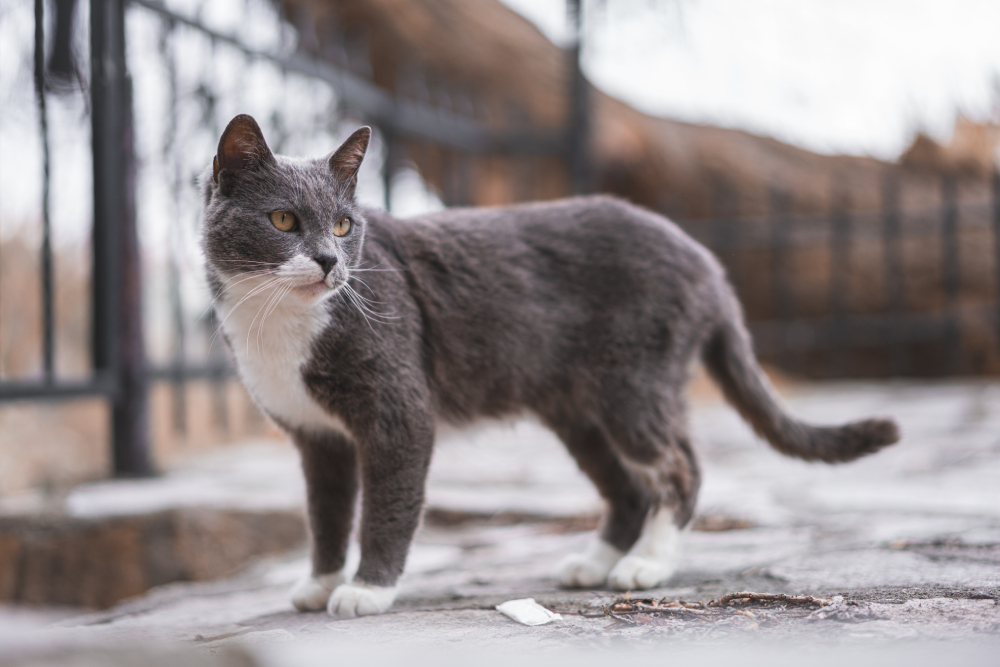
x: 909, y: 539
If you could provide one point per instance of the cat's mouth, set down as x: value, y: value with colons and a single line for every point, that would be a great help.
x: 314, y: 289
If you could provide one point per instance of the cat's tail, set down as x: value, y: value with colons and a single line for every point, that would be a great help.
x: 730, y: 360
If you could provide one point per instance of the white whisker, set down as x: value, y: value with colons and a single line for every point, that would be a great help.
x: 371, y: 306
x: 350, y: 295
x: 371, y: 302
x: 243, y: 277
x: 240, y: 278
x: 253, y: 292
x: 278, y: 282
x: 266, y: 308
x: 374, y: 268
x: 367, y: 286
x: 360, y: 303
x: 260, y: 327
x: 247, y: 261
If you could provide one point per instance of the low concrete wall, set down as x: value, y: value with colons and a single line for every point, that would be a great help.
x: 96, y: 562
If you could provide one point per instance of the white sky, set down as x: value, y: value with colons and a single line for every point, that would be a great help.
x: 854, y: 76
x: 850, y: 76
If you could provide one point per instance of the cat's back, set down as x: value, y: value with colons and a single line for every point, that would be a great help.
x: 575, y: 238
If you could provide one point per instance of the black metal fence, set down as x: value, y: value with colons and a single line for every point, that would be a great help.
x: 121, y: 371
x: 923, y: 299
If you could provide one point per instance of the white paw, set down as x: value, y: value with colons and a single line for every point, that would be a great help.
x: 313, y: 592
x: 638, y: 573
x: 590, y: 568
x: 578, y: 571
x: 350, y: 600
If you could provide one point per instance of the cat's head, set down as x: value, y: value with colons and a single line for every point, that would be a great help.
x: 271, y: 218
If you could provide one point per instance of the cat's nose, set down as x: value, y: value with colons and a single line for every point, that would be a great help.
x: 326, y: 262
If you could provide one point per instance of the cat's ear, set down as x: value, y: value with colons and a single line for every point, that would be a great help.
x: 241, y: 147
x: 346, y: 160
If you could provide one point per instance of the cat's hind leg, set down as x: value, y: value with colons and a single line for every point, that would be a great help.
x: 627, y: 503
x: 651, y: 439
x: 329, y: 463
x: 653, y: 559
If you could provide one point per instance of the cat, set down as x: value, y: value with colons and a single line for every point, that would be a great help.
x: 357, y: 333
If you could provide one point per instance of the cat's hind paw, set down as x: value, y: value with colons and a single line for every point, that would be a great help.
x: 636, y: 573
x: 313, y: 592
x: 350, y: 600
x: 590, y: 568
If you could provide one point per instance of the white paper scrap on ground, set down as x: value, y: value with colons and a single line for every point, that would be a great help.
x: 528, y: 612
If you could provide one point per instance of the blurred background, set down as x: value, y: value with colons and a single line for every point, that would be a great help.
x: 839, y: 157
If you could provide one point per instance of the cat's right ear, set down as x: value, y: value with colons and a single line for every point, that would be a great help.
x: 241, y: 148
x: 346, y: 160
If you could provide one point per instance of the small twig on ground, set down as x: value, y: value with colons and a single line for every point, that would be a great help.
x: 769, y: 597
x: 624, y: 607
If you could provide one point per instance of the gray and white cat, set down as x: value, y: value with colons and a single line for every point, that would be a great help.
x: 357, y: 333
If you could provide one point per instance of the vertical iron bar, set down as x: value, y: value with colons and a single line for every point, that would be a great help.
x: 996, y: 241
x: 106, y: 204
x: 895, y: 289
x: 216, y: 353
x: 726, y: 235
x: 579, y: 103
x: 118, y: 345
x: 721, y: 236
x: 220, y: 402
x: 282, y: 40
x: 950, y: 275
x: 840, y: 266
x: 457, y: 177
x: 62, y: 66
x: 388, y: 166
x: 725, y: 209
x: 220, y: 382
x: 48, y: 351
x: 782, y: 300
x: 171, y: 156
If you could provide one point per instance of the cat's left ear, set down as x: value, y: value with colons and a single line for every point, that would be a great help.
x: 346, y: 160
x: 242, y: 147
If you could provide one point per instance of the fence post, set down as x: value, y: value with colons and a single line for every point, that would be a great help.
x: 725, y: 211
x: 48, y: 343
x: 389, y: 160
x: 171, y: 156
x: 996, y: 241
x: 950, y: 272
x: 895, y: 288
x: 579, y: 106
x: 782, y: 299
x: 117, y: 325
x: 840, y: 267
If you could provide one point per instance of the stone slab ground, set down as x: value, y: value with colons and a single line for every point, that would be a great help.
x: 906, y: 543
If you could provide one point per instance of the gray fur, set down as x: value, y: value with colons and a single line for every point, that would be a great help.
x: 586, y: 312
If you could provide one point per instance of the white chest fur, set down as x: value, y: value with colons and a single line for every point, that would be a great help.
x: 272, y: 338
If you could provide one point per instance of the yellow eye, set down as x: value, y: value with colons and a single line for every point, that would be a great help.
x: 342, y: 227
x: 283, y: 220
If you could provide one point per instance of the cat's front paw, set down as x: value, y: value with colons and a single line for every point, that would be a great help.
x: 350, y: 600
x: 590, y: 568
x: 634, y: 573
x: 313, y: 592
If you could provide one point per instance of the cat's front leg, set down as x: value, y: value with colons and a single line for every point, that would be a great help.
x: 394, y: 469
x: 330, y: 466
